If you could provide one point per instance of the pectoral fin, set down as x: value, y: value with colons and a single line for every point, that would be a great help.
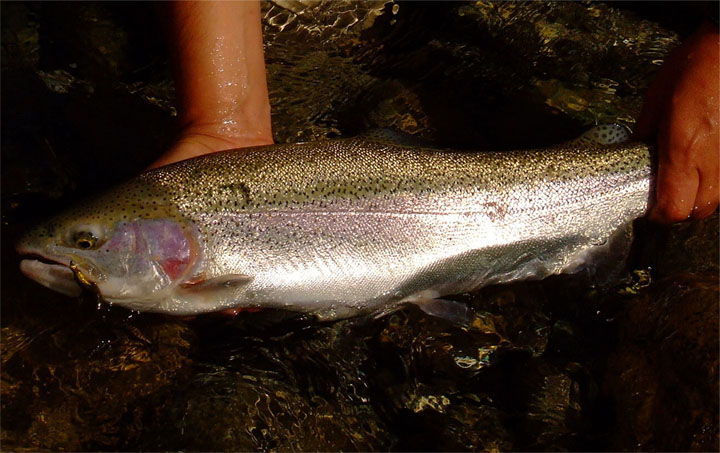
x: 213, y: 294
x: 223, y: 283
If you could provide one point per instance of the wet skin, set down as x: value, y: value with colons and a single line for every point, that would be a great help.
x: 682, y: 111
x: 220, y: 77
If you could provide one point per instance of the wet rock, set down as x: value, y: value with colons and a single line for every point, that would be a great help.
x: 292, y: 386
x: 683, y: 247
x: 608, y: 56
x: 228, y: 411
x: 20, y: 36
x: 87, y: 391
x: 664, y: 376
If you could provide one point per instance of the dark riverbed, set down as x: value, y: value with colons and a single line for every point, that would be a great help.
x: 87, y: 100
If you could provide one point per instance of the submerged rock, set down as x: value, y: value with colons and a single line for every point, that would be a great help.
x: 664, y: 376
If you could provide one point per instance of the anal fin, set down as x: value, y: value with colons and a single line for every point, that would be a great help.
x: 454, y: 312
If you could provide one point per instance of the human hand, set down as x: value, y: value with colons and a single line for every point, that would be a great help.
x: 682, y: 110
x: 195, y: 141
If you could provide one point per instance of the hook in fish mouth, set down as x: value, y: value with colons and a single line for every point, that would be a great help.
x: 58, y: 277
x: 82, y: 279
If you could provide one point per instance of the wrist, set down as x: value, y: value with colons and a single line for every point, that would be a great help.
x: 228, y: 132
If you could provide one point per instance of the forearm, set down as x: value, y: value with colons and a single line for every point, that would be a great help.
x: 220, y: 69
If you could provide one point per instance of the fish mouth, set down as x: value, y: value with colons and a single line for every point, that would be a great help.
x: 53, y: 273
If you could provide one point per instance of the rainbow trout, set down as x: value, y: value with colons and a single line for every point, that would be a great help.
x: 342, y: 227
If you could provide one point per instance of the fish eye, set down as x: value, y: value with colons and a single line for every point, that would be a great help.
x: 85, y: 240
x: 85, y: 237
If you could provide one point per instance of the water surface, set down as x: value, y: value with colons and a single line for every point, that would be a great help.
x: 553, y: 365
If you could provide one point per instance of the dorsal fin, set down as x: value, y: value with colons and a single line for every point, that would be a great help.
x: 393, y: 137
x: 604, y: 134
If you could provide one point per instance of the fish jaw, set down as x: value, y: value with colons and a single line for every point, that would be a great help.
x: 52, y: 272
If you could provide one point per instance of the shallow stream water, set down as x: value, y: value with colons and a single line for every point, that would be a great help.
x: 552, y: 365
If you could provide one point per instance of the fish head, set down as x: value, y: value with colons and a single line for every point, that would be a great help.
x: 130, y: 249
